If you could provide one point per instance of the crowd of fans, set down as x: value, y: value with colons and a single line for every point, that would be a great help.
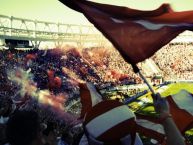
x: 175, y: 61
x: 59, y: 70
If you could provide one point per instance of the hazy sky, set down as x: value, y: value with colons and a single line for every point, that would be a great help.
x: 54, y: 11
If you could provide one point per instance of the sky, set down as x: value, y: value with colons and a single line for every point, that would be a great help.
x: 55, y: 11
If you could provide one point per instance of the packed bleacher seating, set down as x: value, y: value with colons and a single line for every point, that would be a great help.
x: 175, y: 61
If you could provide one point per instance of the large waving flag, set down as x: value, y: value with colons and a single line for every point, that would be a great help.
x: 136, y: 34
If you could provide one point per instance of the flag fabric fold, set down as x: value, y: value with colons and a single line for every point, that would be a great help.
x: 182, y: 110
x: 101, y: 124
x: 150, y: 127
x: 136, y: 34
x: 88, y: 97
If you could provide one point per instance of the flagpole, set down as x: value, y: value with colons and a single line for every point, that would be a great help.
x: 137, y: 70
x: 147, y: 83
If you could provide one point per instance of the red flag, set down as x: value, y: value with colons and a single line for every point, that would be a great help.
x: 136, y: 34
x: 53, y: 82
x: 29, y: 58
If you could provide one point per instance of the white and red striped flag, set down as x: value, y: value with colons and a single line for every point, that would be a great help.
x: 136, y: 34
x: 111, y: 123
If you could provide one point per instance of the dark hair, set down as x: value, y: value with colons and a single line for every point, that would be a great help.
x: 22, y: 128
x: 50, y: 127
x: 6, y: 102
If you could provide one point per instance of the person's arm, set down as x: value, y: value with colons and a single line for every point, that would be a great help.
x: 173, y: 135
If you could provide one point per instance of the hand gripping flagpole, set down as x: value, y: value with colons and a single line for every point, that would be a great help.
x: 137, y: 70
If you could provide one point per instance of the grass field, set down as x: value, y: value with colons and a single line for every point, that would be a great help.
x: 164, y: 91
x: 176, y: 87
